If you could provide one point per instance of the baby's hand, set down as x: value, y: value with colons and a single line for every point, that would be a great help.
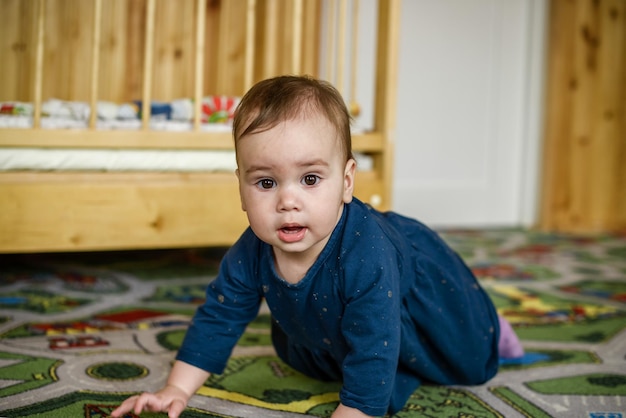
x: 170, y: 399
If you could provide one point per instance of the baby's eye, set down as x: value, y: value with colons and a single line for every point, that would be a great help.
x: 310, y: 179
x: 266, y: 183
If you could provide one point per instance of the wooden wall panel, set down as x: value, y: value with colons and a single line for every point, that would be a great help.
x: 174, y: 50
x: 120, y: 58
x: 231, y: 47
x: 17, y: 55
x: 67, y: 52
x: 584, y: 172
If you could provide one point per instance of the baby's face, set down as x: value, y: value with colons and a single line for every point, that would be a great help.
x: 293, y: 181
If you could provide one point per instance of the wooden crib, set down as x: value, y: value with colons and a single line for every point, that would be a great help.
x: 124, y: 50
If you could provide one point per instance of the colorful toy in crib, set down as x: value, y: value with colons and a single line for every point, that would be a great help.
x: 219, y: 109
x: 158, y: 110
x: 16, y: 109
x: 215, y: 109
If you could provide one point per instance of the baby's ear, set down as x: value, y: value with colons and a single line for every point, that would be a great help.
x: 348, y: 180
x: 243, y: 205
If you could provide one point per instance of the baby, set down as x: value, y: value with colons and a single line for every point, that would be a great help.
x: 374, y: 300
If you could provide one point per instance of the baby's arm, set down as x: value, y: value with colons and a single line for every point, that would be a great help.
x: 184, y: 380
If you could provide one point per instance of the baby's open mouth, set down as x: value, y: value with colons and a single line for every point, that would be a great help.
x: 292, y: 233
x: 291, y: 229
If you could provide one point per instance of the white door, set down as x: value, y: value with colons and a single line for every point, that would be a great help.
x: 469, y: 106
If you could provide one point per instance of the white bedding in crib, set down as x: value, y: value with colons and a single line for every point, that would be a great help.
x: 12, y: 159
x: 52, y: 159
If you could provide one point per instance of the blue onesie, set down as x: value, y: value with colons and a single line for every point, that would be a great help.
x: 386, y: 306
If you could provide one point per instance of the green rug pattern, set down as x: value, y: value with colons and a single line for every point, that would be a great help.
x: 80, y: 332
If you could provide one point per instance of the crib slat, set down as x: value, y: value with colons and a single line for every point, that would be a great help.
x: 39, y: 65
x: 310, y: 36
x: 198, y: 84
x: 354, y: 47
x: 270, y: 39
x: 147, y: 69
x: 386, y: 87
x: 296, y: 48
x: 341, y: 48
x: 250, y: 48
x: 330, y: 41
x: 95, y: 62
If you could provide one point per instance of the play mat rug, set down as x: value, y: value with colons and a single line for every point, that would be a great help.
x: 80, y: 332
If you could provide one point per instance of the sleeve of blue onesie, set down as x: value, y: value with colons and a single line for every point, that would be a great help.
x: 231, y: 303
x: 371, y: 327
